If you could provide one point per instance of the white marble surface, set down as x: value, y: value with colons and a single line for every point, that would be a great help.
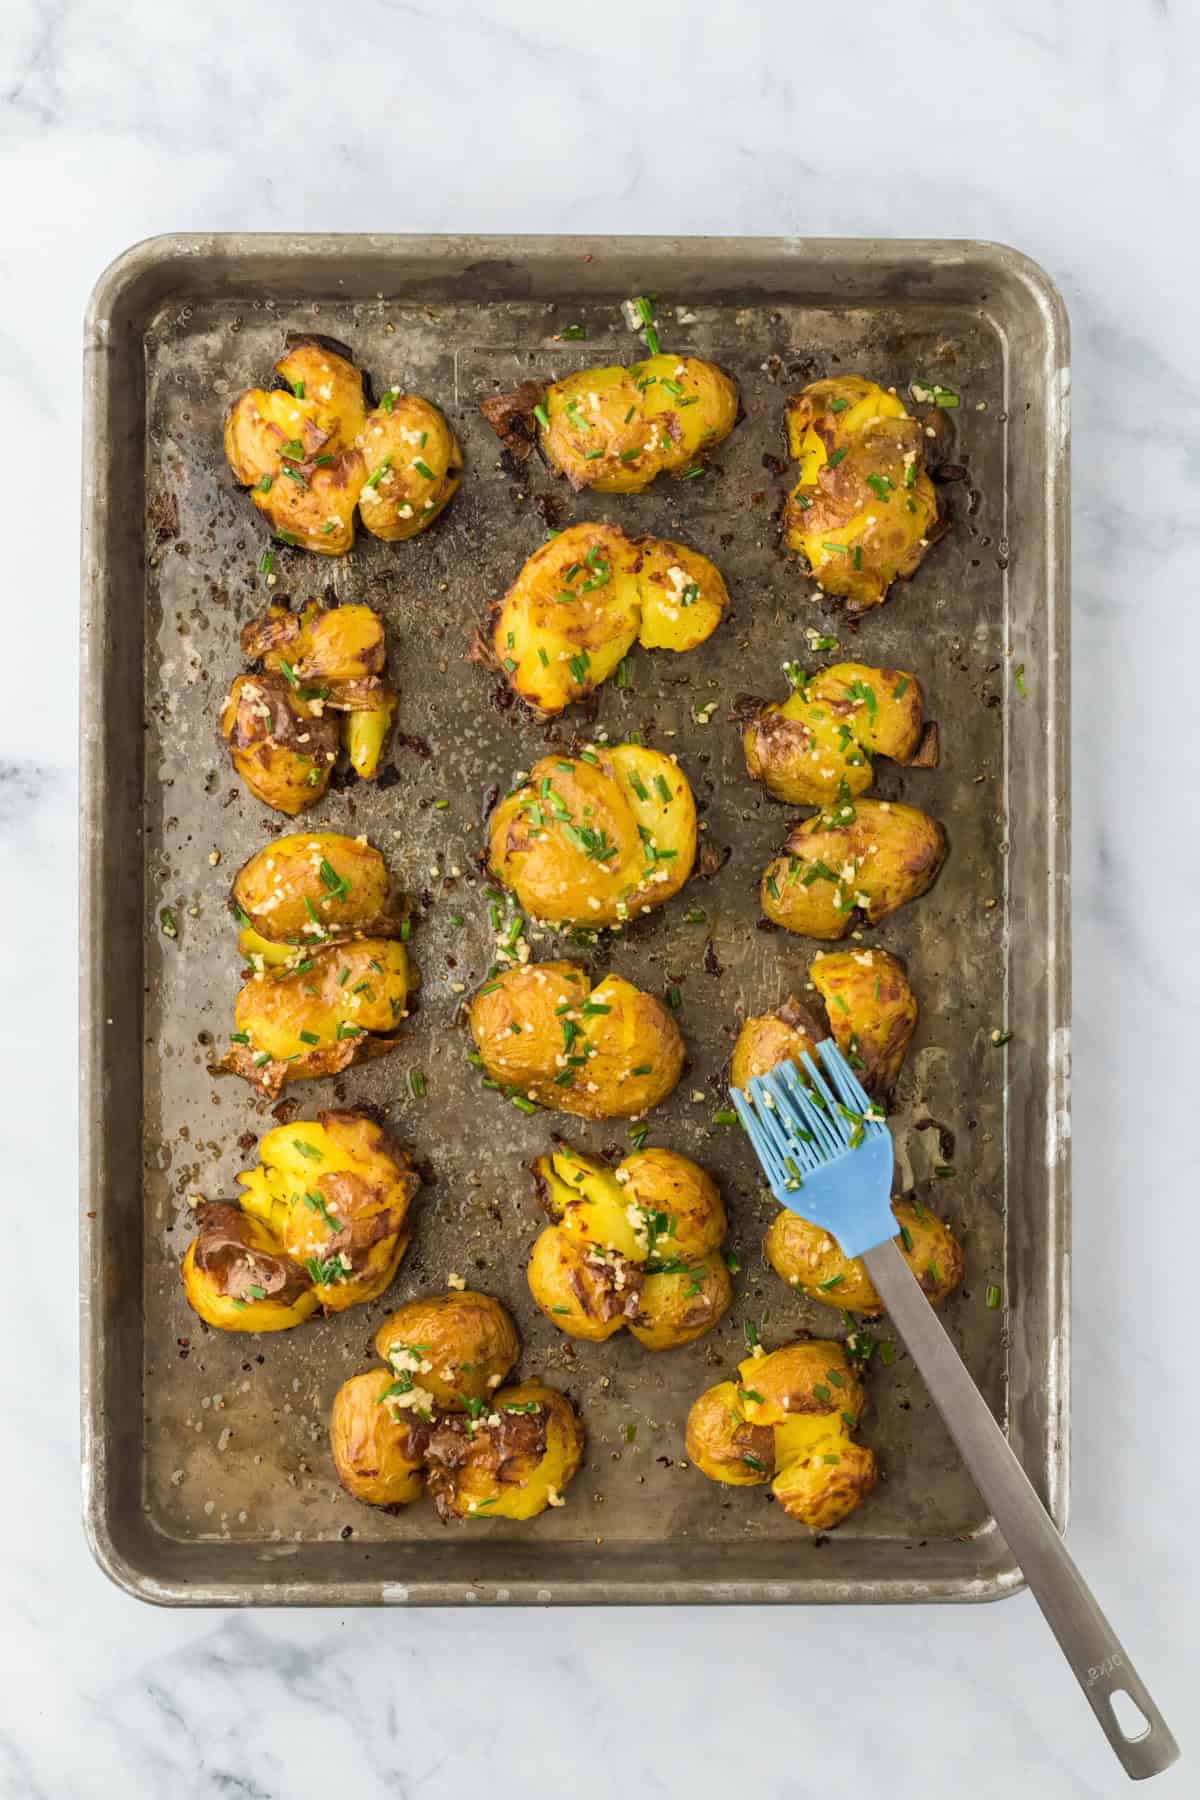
x: 1067, y: 127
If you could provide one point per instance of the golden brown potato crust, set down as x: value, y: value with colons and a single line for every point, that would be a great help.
x: 788, y: 1420
x: 614, y: 429
x: 808, y: 1258
x: 864, y: 509
x: 598, y: 838
x: 872, y: 1013
x: 585, y: 598
x: 884, y: 856
x: 817, y: 745
x: 337, y: 1005
x: 603, y: 1052
x: 438, y: 1417
x: 315, y: 887
x: 322, y: 1221
x: 321, y: 661
x: 310, y: 453
x: 635, y: 1246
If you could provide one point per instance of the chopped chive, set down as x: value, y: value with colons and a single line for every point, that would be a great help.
x: 993, y: 1296
x: 542, y: 417
x: 834, y: 1281
x: 522, y: 1104
x: 266, y: 563
x: 836, y: 457
x: 265, y: 485
x: 725, y: 1117
x: 377, y: 475
x: 167, y: 920
x: 298, y: 389
x: 900, y: 688
x: 1019, y: 679
x: 837, y: 406
x: 417, y: 1084
x: 423, y: 469
x: 572, y: 332
x: 664, y: 791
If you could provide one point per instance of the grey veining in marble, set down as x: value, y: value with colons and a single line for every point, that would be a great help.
x: 1067, y: 127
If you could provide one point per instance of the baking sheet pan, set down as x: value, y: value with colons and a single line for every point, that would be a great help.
x: 207, y: 1474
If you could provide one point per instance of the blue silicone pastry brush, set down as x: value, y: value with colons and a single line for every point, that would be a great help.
x: 827, y: 1153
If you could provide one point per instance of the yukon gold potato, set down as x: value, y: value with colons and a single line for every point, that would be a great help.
x: 614, y: 429
x: 281, y: 748
x: 547, y: 1036
x: 872, y: 1012
x: 458, y: 1347
x: 788, y: 1420
x: 438, y: 1418
x: 864, y: 509
x: 817, y: 745
x: 872, y: 1015
x: 636, y: 1245
x: 296, y: 447
x: 310, y: 454
x: 785, y: 1035
x: 332, y: 659
x: 314, y: 888
x: 322, y: 1222
x: 339, y: 1004
x: 378, y: 1459
x: 335, y: 1191
x: 237, y: 1278
x: 828, y: 873
x: 413, y: 466
x: 585, y: 598
x: 597, y: 838
x: 808, y: 1258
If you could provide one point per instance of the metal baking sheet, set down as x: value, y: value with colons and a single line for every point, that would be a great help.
x: 207, y: 1472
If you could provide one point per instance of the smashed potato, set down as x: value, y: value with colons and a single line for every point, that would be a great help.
x: 332, y: 658
x: 864, y: 509
x: 872, y: 1015
x: 788, y: 1420
x: 833, y: 867
x: 316, y: 1015
x: 281, y: 748
x: 314, y: 887
x: 322, y: 1222
x: 809, y: 1259
x: 438, y: 1418
x: 819, y: 743
x: 585, y: 598
x: 310, y: 453
x: 548, y: 1037
x: 597, y: 838
x: 614, y: 429
x: 635, y: 1246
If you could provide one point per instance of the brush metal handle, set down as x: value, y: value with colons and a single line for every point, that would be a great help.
x: 1085, y: 1636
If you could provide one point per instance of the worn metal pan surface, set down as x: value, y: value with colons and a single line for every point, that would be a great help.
x: 208, y: 1478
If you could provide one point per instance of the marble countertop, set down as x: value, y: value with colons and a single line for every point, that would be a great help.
x: 1068, y: 129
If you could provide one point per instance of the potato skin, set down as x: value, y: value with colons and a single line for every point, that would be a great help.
x: 821, y: 739
x: 892, y: 853
x: 614, y: 429
x: 864, y: 509
x: 632, y: 1044
x: 233, y: 1254
x: 438, y: 1418
x: 636, y: 1245
x: 788, y: 1420
x: 808, y: 1258
x: 463, y: 1344
x: 596, y: 839
x: 338, y: 458
x: 585, y: 597
x: 305, y: 1021
x: 313, y: 888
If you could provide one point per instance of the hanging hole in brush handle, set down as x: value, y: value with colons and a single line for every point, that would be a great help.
x: 1126, y: 1714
